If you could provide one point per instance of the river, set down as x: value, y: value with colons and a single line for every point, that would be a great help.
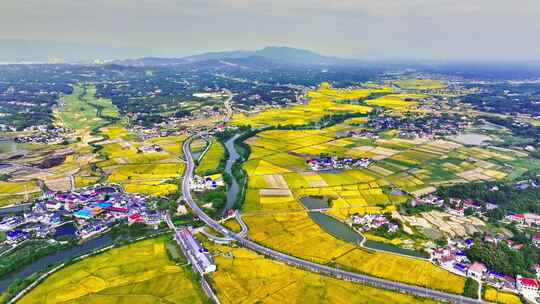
x: 55, y: 258
x: 345, y: 232
x: 15, y: 208
x: 9, y: 146
x: 233, y: 190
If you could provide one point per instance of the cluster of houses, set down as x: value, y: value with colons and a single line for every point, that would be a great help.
x: 210, y: 182
x: 368, y: 222
x: 149, y: 148
x: 332, y: 162
x: 454, y: 206
x: 363, y: 134
x: 42, y: 135
x: 453, y: 258
x: 90, y: 211
x: 159, y: 130
x: 427, y: 126
x: 524, y: 219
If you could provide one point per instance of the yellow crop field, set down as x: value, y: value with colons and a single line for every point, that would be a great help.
x: 147, y: 276
x: 420, y: 84
x: 396, y: 101
x: 151, y: 188
x: 299, y: 235
x: 146, y: 172
x: 83, y: 181
x: 497, y: 296
x: 171, y: 144
x: 212, y: 157
x: 250, y: 278
x: 123, y: 149
x: 11, y: 188
x: 323, y: 101
x: 296, y: 233
x: 403, y: 269
x: 114, y: 132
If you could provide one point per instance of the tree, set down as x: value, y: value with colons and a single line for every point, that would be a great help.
x: 471, y: 288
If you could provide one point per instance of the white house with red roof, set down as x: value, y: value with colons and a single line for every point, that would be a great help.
x: 516, y: 217
x: 477, y: 270
x: 526, y: 285
x: 135, y: 218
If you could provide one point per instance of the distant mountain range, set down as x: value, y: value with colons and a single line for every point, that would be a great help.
x: 19, y: 50
x: 269, y: 58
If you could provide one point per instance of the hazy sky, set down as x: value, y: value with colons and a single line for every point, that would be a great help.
x: 443, y: 29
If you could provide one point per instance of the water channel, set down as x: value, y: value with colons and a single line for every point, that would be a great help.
x: 233, y: 190
x: 55, y: 258
x: 345, y: 232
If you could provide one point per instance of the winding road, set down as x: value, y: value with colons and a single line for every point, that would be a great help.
x: 304, y: 264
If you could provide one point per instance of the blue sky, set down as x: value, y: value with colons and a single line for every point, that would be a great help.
x: 429, y: 29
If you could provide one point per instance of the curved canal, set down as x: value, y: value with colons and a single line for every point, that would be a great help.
x: 55, y: 258
x: 346, y: 233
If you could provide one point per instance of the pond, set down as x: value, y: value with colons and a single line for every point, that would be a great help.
x: 66, y: 229
x: 345, y: 232
x: 474, y: 139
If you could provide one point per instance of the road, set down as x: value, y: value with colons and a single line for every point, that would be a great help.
x: 304, y: 264
x: 228, y: 106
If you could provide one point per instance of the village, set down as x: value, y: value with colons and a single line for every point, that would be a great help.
x: 453, y: 255
x: 328, y: 163
x: 83, y: 213
x: 462, y: 224
x: 417, y: 126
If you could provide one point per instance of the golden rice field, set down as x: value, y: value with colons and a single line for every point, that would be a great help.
x: 150, y: 172
x: 212, y: 158
x: 147, y: 276
x: 324, y: 101
x: 397, y: 101
x: 278, y: 177
x: 15, y: 187
x: 250, y: 278
x: 83, y: 181
x: 151, y: 188
x: 497, y: 296
x: 17, y: 191
x: 420, y: 84
x: 297, y: 234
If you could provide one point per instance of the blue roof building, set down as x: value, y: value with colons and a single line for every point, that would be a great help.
x: 15, y: 234
x: 83, y: 214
